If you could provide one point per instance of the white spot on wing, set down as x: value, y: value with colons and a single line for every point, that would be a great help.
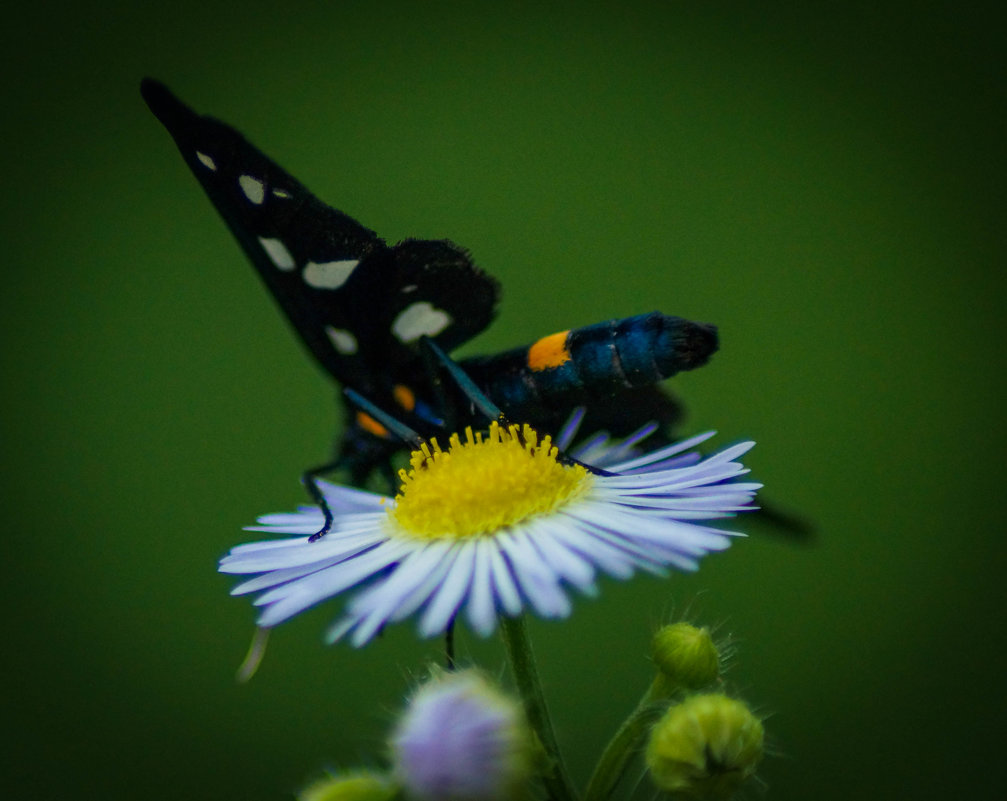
x: 253, y: 188
x: 329, y: 274
x: 409, y: 288
x: 418, y: 320
x: 278, y: 252
x: 283, y: 193
x: 206, y: 160
x: 342, y: 340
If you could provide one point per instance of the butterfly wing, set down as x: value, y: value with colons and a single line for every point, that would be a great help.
x: 359, y: 305
x: 417, y: 288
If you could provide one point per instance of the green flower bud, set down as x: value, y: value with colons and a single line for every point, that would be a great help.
x: 358, y: 786
x: 685, y: 656
x: 705, y: 747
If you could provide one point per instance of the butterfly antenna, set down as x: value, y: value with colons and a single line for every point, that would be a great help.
x: 468, y: 387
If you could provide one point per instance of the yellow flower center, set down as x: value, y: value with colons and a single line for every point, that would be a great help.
x: 484, y: 484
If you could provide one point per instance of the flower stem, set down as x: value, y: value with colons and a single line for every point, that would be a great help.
x: 624, y: 742
x: 522, y: 662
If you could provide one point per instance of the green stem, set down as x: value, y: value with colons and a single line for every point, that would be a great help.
x: 624, y: 742
x: 522, y: 662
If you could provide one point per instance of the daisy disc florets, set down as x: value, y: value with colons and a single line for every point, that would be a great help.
x: 484, y: 484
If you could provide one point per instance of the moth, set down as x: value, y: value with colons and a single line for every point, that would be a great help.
x: 364, y: 309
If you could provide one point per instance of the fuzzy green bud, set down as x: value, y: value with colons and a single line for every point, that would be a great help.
x: 358, y: 786
x: 705, y: 747
x: 685, y: 656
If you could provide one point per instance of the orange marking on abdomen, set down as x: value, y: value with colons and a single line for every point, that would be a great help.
x: 549, y: 352
x: 371, y: 426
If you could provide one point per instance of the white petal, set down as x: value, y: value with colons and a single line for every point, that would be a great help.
x: 503, y: 581
x: 274, y: 578
x: 610, y: 559
x: 303, y: 529
x: 481, y: 609
x: 402, y: 593
x: 625, y: 548
x: 651, y: 527
x: 569, y: 429
x: 323, y: 550
x: 263, y: 546
x: 340, y: 629
x: 671, y: 481
x: 624, y: 449
x: 291, y: 518
x: 663, y: 453
x: 289, y: 599
x: 698, y: 507
x: 448, y: 599
x: 347, y: 499
x: 564, y: 562
x: 538, y: 583
x: 311, y: 523
x: 672, y: 463
x: 594, y: 449
x: 425, y: 559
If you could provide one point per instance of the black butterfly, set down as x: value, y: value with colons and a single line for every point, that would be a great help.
x: 363, y: 308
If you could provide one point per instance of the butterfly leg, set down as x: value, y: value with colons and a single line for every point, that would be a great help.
x: 393, y: 426
x: 479, y: 400
x: 431, y: 364
x: 310, y: 480
x: 360, y: 462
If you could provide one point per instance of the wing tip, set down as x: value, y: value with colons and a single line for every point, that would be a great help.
x: 164, y: 105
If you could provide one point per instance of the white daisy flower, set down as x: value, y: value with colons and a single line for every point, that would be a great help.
x: 496, y: 524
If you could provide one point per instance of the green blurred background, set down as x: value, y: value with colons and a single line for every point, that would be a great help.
x: 822, y: 180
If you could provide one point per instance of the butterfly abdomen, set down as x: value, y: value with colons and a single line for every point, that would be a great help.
x: 595, y: 361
